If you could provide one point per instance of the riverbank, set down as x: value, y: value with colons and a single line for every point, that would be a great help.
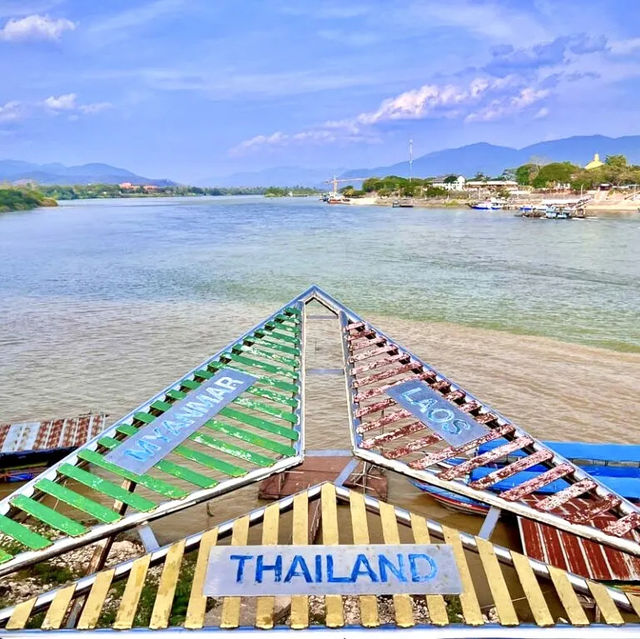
x: 14, y: 199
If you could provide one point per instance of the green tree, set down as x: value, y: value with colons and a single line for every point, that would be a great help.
x: 450, y: 179
x: 554, y: 173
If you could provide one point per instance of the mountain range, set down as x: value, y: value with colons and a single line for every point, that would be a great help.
x: 492, y: 160
x: 275, y: 176
x: 96, y: 173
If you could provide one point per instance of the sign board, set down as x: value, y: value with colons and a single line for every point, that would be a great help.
x: 445, y: 418
x: 322, y: 570
x: 156, y: 440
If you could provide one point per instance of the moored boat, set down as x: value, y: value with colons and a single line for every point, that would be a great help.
x: 26, y: 448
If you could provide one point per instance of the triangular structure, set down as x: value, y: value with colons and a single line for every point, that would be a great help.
x: 502, y: 593
x: 236, y: 418
x: 407, y: 417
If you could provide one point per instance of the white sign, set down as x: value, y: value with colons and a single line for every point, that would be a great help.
x: 321, y: 570
x: 156, y: 440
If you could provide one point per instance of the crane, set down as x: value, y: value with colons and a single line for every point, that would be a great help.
x: 336, y: 180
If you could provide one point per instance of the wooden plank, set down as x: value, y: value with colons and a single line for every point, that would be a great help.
x: 265, y: 605
x: 486, y: 458
x: 131, y: 596
x: 634, y: 600
x: 48, y: 515
x: 330, y: 537
x: 532, y: 485
x: 521, y: 464
x: 402, y: 602
x: 106, y: 487
x: 230, y: 615
x: 95, y: 601
x: 468, y: 598
x: 153, y: 484
x: 568, y: 597
x: 497, y: 584
x: 21, y: 533
x: 82, y: 503
x: 262, y: 424
x: 532, y: 590
x: 197, y: 601
x: 435, y: 603
x: 207, y: 460
x: 58, y: 608
x: 300, y: 537
x: 557, y: 499
x: 368, y: 603
x: 167, y: 587
x: 20, y: 615
x: 233, y: 451
x: 251, y: 438
x: 605, y: 603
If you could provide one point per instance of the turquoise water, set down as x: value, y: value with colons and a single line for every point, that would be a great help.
x: 576, y: 281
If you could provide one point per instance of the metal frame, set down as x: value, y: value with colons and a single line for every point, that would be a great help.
x: 65, y: 544
x: 589, y: 532
x: 403, y: 516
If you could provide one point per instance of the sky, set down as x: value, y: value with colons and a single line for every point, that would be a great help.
x: 196, y: 89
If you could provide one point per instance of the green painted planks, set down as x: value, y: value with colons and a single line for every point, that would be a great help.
x: 106, y: 487
x: 156, y: 485
x: 161, y: 406
x: 263, y: 352
x: 288, y: 416
x: 254, y: 363
x: 21, y: 533
x: 274, y: 345
x: 210, y: 462
x: 64, y: 494
x: 48, y: 515
x: 269, y: 381
x: 251, y: 438
x: 4, y: 556
x: 278, y: 398
x: 233, y: 450
x: 262, y: 424
x: 144, y: 417
x: 165, y: 466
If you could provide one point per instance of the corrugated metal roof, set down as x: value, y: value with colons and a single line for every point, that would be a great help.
x: 576, y: 554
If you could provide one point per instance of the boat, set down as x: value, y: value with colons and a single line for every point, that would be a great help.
x: 27, y: 448
x: 487, y: 205
x: 397, y: 204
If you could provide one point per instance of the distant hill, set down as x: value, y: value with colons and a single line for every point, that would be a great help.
x: 17, y: 171
x: 492, y: 160
x: 275, y: 176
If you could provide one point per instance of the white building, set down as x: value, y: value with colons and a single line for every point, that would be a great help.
x: 458, y: 185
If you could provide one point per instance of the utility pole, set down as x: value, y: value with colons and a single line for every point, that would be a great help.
x: 410, y: 159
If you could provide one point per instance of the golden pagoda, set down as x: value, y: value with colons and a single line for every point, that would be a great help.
x: 595, y: 163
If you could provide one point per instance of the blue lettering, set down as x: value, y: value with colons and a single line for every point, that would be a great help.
x: 384, y: 563
x: 144, y: 451
x: 261, y: 567
x: 440, y: 415
x: 229, y: 383
x: 298, y: 568
x: 318, y: 563
x: 363, y: 567
x: 158, y: 435
x: 416, y: 577
x: 333, y: 579
x: 241, y: 559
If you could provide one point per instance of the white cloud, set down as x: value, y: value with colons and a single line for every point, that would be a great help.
x: 10, y: 111
x: 68, y: 102
x: 503, y: 107
x: 35, y: 27
x: 429, y: 100
x: 543, y: 112
x: 624, y: 47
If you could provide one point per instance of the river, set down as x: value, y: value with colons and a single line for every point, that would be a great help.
x: 104, y: 302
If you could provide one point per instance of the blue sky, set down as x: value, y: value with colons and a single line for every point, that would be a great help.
x: 189, y: 89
